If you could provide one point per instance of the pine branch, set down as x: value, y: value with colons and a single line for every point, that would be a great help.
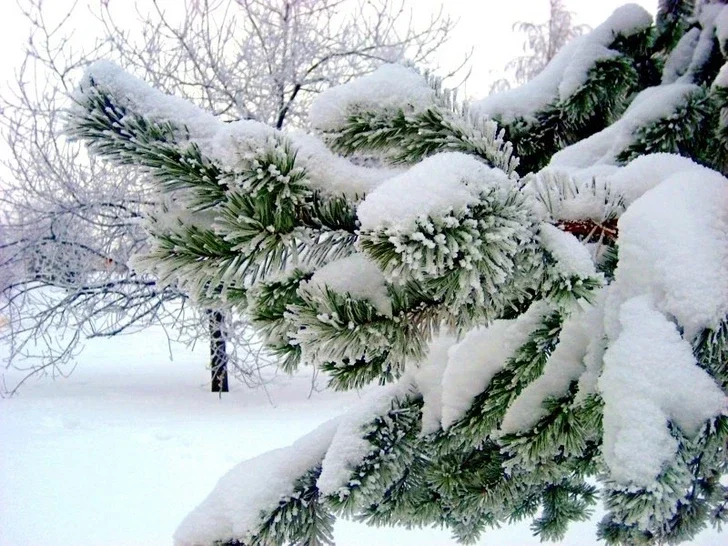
x: 487, y: 410
x: 300, y: 518
x: 596, y: 104
x: 685, y: 131
x: 394, y: 442
x: 405, y: 136
x: 162, y: 148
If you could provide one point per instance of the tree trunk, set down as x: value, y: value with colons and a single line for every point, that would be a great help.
x: 218, y: 352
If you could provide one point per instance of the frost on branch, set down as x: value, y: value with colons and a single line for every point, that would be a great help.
x: 543, y: 337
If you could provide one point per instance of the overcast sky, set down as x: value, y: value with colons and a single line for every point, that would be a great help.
x: 484, y: 25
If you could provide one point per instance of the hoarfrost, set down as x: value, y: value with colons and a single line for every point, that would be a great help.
x: 439, y: 184
x: 357, y: 276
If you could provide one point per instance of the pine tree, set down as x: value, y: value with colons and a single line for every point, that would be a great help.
x: 537, y: 281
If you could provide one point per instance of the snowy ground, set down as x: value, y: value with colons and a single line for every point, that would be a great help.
x: 120, y: 452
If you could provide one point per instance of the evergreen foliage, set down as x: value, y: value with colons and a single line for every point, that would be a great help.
x: 523, y: 237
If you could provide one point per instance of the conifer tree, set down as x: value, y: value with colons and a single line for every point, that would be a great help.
x: 539, y: 282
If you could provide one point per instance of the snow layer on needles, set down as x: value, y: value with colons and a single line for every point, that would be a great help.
x: 681, y: 56
x: 671, y: 283
x: 219, y: 141
x: 721, y: 80
x: 673, y: 245
x: 232, y: 510
x: 391, y: 86
x: 707, y: 15
x: 568, y: 71
x: 647, y: 171
x: 357, y: 276
x: 572, y: 257
x: 133, y: 93
x: 650, y: 105
x: 721, y: 29
x: 428, y: 379
x: 566, y: 364
x: 650, y: 378
x: 333, y: 174
x: 441, y: 183
x: 483, y: 352
x: 348, y: 447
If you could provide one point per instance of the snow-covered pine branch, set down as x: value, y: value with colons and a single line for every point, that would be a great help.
x: 537, y: 334
x: 68, y: 217
x: 582, y: 90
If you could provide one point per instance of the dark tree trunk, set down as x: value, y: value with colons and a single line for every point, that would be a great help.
x: 218, y: 352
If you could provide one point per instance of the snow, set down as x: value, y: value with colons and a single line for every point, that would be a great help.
x: 232, y: 511
x: 131, y: 442
x: 118, y: 453
x: 673, y: 245
x: 428, y: 380
x: 567, y: 71
x: 572, y: 257
x: 229, y: 144
x: 566, y: 364
x: 648, y: 106
x: 236, y: 142
x: 391, y: 86
x: 704, y: 48
x: 134, y: 93
x: 721, y: 80
x: 594, y: 356
x: 348, y: 448
x: 357, y: 276
x: 647, y: 171
x: 576, y: 73
x: 223, y: 142
x: 651, y: 377
x: 441, y: 183
x: 681, y: 56
x: 334, y: 175
x: 481, y: 354
x: 708, y: 12
x: 721, y: 29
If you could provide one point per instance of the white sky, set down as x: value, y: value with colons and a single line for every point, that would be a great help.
x: 484, y: 25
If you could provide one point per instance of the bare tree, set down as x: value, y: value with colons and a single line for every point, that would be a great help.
x: 543, y: 42
x: 70, y: 225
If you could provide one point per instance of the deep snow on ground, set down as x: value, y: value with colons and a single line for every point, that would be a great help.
x: 118, y: 453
